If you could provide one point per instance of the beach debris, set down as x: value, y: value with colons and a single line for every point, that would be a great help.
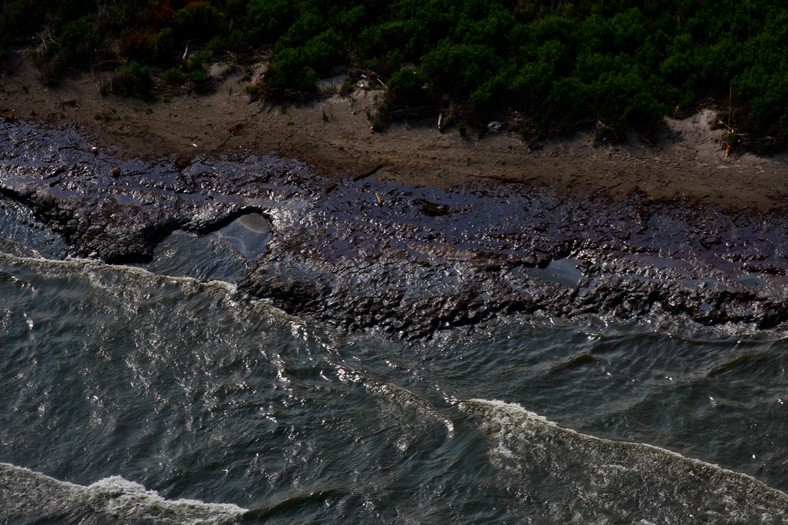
x: 9, y: 117
x: 378, y: 198
x: 729, y: 139
x: 116, y: 171
x: 187, y: 51
x: 181, y: 163
x: 432, y: 209
x: 495, y: 126
x: 369, y: 172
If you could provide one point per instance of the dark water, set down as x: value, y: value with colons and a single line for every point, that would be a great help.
x: 133, y: 397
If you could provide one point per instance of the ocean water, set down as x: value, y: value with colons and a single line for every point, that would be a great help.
x: 157, y: 394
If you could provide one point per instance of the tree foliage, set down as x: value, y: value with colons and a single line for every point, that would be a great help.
x: 622, y: 63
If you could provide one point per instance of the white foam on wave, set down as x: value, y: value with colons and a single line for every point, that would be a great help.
x: 86, y: 265
x: 95, y: 271
x: 397, y: 398
x: 577, y: 476
x: 122, y: 497
x: 26, y: 495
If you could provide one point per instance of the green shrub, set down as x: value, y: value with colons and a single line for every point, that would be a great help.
x: 408, y: 88
x: 198, y: 75
x: 267, y: 20
x: 290, y: 70
x: 133, y: 80
x: 199, y: 19
x: 162, y: 46
x: 323, y: 51
x: 77, y: 37
x: 352, y: 20
x: 568, y: 105
x: 173, y: 76
x: 307, y: 24
x: 559, y: 64
x: 409, y: 38
x: 458, y: 69
x: 623, y: 100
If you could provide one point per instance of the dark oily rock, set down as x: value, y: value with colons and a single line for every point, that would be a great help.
x: 120, y: 217
x: 407, y: 261
x: 23, y: 235
x: 381, y: 266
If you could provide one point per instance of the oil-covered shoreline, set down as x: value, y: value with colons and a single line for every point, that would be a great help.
x: 409, y: 261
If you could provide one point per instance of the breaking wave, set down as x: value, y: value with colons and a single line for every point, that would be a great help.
x: 570, y: 477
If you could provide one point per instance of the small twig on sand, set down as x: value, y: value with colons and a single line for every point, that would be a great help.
x: 369, y: 173
x: 506, y: 180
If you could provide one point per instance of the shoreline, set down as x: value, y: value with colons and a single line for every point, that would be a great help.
x: 410, y: 261
x: 333, y: 135
x: 411, y: 231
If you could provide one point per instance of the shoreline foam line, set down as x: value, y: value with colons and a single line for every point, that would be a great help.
x: 25, y: 493
x: 510, y: 425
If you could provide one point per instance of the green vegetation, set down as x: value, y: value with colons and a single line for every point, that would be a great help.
x: 616, y: 65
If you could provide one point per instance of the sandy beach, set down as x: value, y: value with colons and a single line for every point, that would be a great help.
x: 334, y: 135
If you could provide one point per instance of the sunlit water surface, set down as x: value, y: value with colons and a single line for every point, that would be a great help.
x: 139, y: 398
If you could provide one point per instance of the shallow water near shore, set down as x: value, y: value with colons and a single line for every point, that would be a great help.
x: 134, y: 397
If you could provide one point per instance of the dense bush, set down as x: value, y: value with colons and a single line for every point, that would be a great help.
x: 618, y: 64
x: 133, y: 80
x: 268, y: 20
x: 407, y: 88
